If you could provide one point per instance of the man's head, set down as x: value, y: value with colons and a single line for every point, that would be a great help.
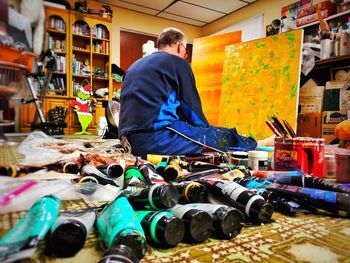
x: 172, y: 40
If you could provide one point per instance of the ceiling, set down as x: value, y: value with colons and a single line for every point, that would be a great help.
x: 193, y: 12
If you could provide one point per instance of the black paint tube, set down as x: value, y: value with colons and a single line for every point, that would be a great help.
x: 17, y: 170
x: 172, y: 171
x: 90, y: 170
x: 150, y: 174
x: 191, y: 192
x: 198, y: 223
x: 161, y: 227
x: 200, y: 174
x: 228, y: 221
x: 119, y: 254
x: 334, y: 202
x: 154, y: 197
x: 312, y: 182
x: 70, y: 231
x: 133, y: 177
x: 118, y: 225
x: 114, y: 170
x: 233, y: 194
x: 213, y: 158
x: 69, y: 167
x: 160, y: 167
x: 203, y: 166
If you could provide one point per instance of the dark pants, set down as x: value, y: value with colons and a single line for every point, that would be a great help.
x: 181, y: 138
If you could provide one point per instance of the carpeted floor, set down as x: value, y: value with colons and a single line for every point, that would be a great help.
x: 304, y: 238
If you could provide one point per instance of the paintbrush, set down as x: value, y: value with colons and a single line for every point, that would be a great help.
x: 280, y: 127
x: 289, y: 129
x: 273, y: 128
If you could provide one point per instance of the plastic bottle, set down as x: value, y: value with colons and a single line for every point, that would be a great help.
x: 342, y: 168
x: 118, y: 225
x: 258, y: 160
x: 198, y: 223
x: 161, y: 227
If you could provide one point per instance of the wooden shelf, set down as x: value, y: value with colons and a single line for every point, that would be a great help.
x: 80, y: 51
x: 55, y: 31
x: 81, y: 36
x: 326, y: 19
x: 100, y: 39
x: 81, y: 76
x: 100, y: 54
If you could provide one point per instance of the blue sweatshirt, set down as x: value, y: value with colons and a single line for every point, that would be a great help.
x: 158, y: 90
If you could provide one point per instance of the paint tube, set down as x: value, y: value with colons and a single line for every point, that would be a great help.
x: 17, y: 170
x: 213, y: 158
x: 90, y: 170
x: 22, y: 240
x: 191, y: 192
x: 150, y: 174
x: 114, y: 170
x: 172, y: 171
x: 70, y: 231
x: 118, y: 225
x: 227, y: 221
x: 155, y: 197
x: 233, y: 194
x: 119, y: 254
x: 273, y: 175
x: 160, y: 167
x: 312, y: 182
x: 198, y: 223
x: 161, y: 227
x: 203, y: 166
x: 69, y: 167
x: 133, y: 177
x: 334, y: 202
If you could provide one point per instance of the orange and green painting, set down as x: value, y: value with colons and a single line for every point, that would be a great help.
x: 261, y: 79
x: 208, y: 58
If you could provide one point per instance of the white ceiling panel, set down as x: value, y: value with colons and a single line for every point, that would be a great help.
x: 154, y: 4
x: 193, y: 11
x: 224, y: 6
x: 132, y: 7
x: 181, y: 19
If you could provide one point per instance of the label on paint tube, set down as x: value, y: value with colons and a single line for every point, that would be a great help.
x: 179, y: 210
x: 328, y: 196
x: 209, y: 208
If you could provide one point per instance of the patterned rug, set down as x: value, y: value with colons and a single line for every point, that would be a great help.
x: 305, y: 238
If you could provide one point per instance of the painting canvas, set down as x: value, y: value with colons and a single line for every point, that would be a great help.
x: 208, y: 57
x: 261, y: 79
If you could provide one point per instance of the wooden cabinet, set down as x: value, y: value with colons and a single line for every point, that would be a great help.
x: 82, y: 50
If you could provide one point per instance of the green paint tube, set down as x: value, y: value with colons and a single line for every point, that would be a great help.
x: 133, y: 177
x: 161, y: 227
x: 22, y: 240
x: 155, y: 197
x: 118, y: 225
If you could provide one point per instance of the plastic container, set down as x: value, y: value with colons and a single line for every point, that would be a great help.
x: 329, y: 166
x: 258, y: 160
x: 342, y: 167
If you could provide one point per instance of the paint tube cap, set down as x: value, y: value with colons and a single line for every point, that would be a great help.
x: 165, y: 196
x: 228, y: 221
x: 119, y: 253
x: 170, y: 230
x: 134, y: 240
x: 198, y: 224
x: 261, y: 211
x: 67, y: 239
x: 194, y: 192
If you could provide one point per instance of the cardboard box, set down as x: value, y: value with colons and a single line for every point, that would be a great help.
x: 309, y: 10
x: 337, y: 95
x: 330, y: 119
x: 311, y: 18
x: 311, y: 99
x: 309, y: 124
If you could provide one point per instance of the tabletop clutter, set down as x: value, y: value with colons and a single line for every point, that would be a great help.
x: 159, y: 200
